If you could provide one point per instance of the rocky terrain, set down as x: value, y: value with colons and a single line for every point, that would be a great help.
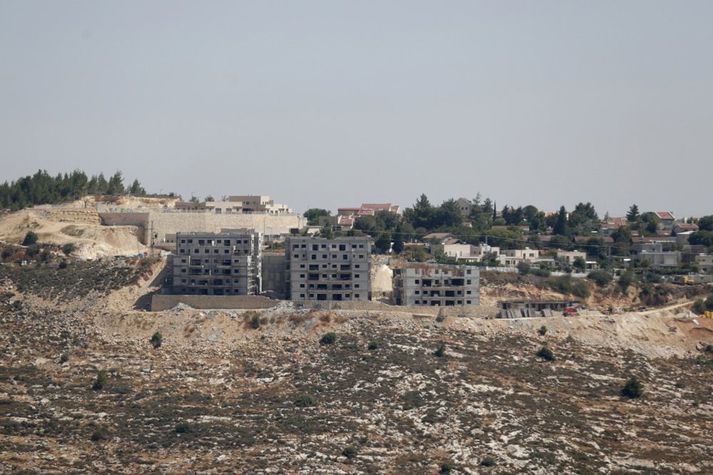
x: 82, y: 388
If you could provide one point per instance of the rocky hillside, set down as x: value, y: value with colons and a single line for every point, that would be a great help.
x: 82, y: 389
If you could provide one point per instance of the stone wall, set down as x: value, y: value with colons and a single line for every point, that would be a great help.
x: 162, y: 226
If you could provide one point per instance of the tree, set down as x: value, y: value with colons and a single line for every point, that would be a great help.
x: 650, y: 222
x: 136, y: 189
x: 30, y: 239
x: 702, y: 238
x: 584, y: 218
x: 116, y: 184
x: 313, y: 215
x: 560, y: 226
x: 600, y: 277
x: 705, y: 223
x: 398, y: 245
x: 633, y: 388
x: 633, y: 214
x: 579, y: 264
x: 421, y: 214
x: 382, y: 245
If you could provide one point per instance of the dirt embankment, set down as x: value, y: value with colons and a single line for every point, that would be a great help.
x: 71, y: 224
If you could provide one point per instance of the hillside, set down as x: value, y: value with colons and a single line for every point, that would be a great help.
x: 257, y: 392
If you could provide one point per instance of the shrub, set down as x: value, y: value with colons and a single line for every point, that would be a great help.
x: 600, y: 277
x: 99, y: 434
x: 6, y: 252
x: 32, y: 250
x: 540, y: 272
x: 625, y: 280
x: 63, y: 358
x: 633, y: 388
x: 488, y: 461
x: 63, y: 264
x: 255, y: 321
x: 440, y: 351
x: 182, y: 428
x: 349, y: 452
x: 156, y: 340
x: 699, y: 306
x: 373, y: 346
x: 542, y: 330
x: 328, y: 338
x: 30, y: 239
x: 567, y: 285
x: 68, y: 248
x: 546, y: 354
x: 446, y: 468
x: 100, y: 381
x: 305, y: 400
x: 523, y: 268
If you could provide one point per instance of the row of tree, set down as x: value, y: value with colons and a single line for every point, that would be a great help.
x: 42, y: 188
x: 511, y: 228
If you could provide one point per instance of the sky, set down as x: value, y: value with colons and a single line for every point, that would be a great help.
x: 334, y: 103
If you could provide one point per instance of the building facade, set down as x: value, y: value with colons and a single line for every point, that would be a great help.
x: 437, y: 285
x: 322, y: 269
x: 225, y: 263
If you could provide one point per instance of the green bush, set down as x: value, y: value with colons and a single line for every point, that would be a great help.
x: 546, y: 354
x: 156, y: 340
x: 62, y: 264
x: 633, y: 388
x: 487, y: 461
x: 68, y: 248
x: 542, y: 330
x: 7, y: 252
x: 567, y: 285
x: 100, y: 381
x: 30, y: 239
x: 305, y: 400
x: 255, y: 321
x: 99, y: 434
x: 446, y: 468
x: 523, y: 268
x: 625, y: 280
x: 540, y: 272
x: 372, y: 346
x: 600, y: 277
x: 328, y: 338
x: 63, y: 358
x: 349, y: 452
x: 182, y: 428
x: 440, y: 352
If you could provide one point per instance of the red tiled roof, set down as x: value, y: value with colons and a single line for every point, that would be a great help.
x: 666, y: 215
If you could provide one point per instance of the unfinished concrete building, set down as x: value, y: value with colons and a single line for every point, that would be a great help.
x: 225, y: 263
x: 436, y: 285
x: 322, y: 269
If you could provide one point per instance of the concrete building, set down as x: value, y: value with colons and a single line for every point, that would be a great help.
x: 468, y: 252
x: 655, y: 256
x: 436, y: 285
x: 322, y: 269
x: 226, y: 263
x: 705, y: 262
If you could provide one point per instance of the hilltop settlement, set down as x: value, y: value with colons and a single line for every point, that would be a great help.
x: 152, y: 333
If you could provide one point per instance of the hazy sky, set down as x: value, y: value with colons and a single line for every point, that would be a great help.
x: 331, y: 103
